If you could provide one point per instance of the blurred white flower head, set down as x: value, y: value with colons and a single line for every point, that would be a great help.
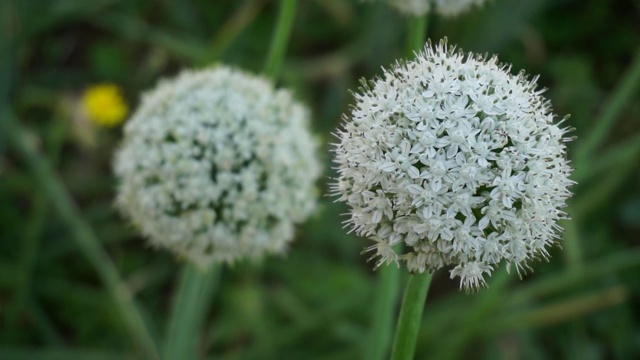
x: 456, y: 158
x: 442, y: 7
x: 411, y: 7
x: 217, y: 165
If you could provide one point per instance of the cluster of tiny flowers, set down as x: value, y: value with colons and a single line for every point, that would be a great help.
x: 456, y: 158
x: 442, y: 7
x: 217, y: 165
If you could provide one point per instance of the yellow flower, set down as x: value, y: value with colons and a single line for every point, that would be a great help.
x: 104, y: 104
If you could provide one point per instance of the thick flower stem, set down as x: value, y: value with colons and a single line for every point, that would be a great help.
x: 404, y: 344
x: 386, y: 298
x: 280, y: 39
x: 84, y: 235
x: 417, y: 34
x: 193, y: 297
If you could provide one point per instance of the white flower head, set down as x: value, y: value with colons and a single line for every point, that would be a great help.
x: 217, y: 165
x: 442, y: 7
x: 457, y: 158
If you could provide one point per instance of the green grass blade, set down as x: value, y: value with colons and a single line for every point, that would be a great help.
x: 558, y: 282
x: 623, y: 154
x: 561, y: 311
x: 87, y: 240
x: 60, y: 354
x: 416, y: 35
x: 24, y: 270
x: 186, y: 48
x: 624, y: 92
x: 571, y: 243
x: 235, y: 25
x: 280, y: 39
x: 31, y: 242
x: 43, y: 323
x: 193, y: 298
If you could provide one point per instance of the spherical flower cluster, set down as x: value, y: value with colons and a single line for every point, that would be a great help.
x: 442, y: 7
x: 104, y: 104
x: 459, y: 160
x: 217, y: 165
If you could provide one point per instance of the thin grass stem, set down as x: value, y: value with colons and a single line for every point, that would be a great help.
x: 62, y: 202
x: 623, y: 93
x: 280, y: 39
x: 416, y: 35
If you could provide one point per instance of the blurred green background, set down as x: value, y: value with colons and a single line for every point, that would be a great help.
x: 315, y: 302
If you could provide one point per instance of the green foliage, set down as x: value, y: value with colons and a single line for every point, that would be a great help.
x: 62, y: 258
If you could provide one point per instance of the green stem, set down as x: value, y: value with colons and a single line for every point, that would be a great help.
x: 417, y: 35
x: 386, y: 298
x: 404, y: 344
x: 280, y: 39
x: 62, y: 202
x: 195, y: 293
x: 623, y: 94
